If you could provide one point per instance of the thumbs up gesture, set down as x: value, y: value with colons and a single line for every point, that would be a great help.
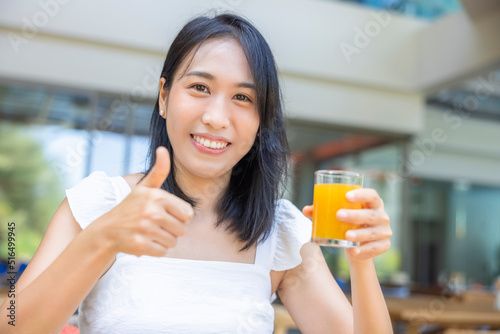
x: 149, y: 220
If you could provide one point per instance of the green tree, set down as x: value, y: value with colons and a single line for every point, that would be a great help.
x: 29, y: 190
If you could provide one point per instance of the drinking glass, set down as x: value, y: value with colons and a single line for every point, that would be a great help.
x: 330, y: 188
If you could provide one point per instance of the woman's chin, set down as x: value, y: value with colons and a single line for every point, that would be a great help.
x: 212, y: 174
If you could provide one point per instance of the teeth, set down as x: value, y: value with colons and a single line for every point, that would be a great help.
x: 210, y: 144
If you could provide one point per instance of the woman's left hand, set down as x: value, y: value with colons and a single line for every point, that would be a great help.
x: 374, y: 230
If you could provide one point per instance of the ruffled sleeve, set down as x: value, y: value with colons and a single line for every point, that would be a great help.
x: 293, y: 230
x: 91, y: 198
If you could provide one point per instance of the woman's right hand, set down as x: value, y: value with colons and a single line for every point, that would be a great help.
x: 149, y: 220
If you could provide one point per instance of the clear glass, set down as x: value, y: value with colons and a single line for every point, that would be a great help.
x: 330, y: 188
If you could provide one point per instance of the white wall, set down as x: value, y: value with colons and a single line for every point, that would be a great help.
x: 466, y: 149
x: 455, y: 47
x: 340, y: 63
x: 350, y: 105
x: 304, y: 35
x: 118, y: 46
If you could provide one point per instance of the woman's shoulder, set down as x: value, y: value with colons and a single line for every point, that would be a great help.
x: 292, y: 230
x: 286, y: 209
x: 289, y: 217
x: 133, y: 179
x: 96, y: 194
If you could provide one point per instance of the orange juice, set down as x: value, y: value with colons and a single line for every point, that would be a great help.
x: 328, y: 199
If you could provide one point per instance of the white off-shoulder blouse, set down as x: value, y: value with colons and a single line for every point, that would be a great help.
x: 149, y: 294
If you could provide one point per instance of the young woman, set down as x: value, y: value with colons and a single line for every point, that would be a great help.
x: 200, y: 242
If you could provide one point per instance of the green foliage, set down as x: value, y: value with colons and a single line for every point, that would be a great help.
x: 29, y: 190
x: 385, y: 265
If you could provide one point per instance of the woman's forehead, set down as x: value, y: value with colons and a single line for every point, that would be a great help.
x: 223, y: 56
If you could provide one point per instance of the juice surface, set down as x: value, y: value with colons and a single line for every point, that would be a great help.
x: 328, y: 199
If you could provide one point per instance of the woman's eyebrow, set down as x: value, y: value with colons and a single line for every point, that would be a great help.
x: 209, y: 76
x: 205, y: 75
x: 247, y: 85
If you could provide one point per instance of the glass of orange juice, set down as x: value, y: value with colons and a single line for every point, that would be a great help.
x: 330, y: 188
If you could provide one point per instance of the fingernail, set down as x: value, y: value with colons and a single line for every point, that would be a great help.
x: 342, y: 214
x: 356, y: 251
x: 351, y: 235
x: 349, y: 196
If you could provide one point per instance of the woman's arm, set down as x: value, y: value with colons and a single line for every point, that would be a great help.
x: 370, y: 311
x: 69, y: 261
x: 49, y: 291
x: 369, y: 308
x: 313, y: 298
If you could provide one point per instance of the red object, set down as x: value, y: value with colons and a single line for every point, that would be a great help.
x: 68, y: 329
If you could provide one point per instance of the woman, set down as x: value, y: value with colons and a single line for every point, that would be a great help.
x: 200, y: 242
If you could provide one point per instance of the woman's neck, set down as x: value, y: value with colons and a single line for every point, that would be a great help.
x: 205, y: 191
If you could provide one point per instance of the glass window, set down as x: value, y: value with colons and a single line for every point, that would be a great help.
x: 108, y: 153
x: 140, y: 141
x: 378, y: 157
x: 140, y: 146
x: 425, y: 9
x: 456, y: 230
x: 51, y: 138
x: 43, y: 151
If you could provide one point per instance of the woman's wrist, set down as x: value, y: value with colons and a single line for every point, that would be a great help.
x: 99, y: 239
x: 360, y: 264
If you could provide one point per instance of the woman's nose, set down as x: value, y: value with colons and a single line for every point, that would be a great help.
x: 216, y: 114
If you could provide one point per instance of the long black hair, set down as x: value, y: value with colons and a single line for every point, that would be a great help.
x: 247, y: 207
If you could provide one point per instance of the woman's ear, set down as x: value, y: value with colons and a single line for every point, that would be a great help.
x: 162, y: 97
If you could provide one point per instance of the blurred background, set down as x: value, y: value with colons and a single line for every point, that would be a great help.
x: 407, y: 92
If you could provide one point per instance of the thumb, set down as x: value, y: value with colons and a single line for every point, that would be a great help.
x: 160, y: 170
x: 308, y: 211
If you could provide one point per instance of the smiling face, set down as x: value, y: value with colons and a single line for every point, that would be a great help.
x: 211, y: 110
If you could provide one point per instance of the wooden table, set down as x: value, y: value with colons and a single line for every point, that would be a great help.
x: 282, y: 320
x: 442, y: 311
x: 468, y: 331
x: 418, y: 310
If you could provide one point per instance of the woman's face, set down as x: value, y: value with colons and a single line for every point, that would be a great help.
x: 211, y: 110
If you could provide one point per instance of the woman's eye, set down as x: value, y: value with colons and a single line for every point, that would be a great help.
x: 201, y: 88
x: 241, y: 97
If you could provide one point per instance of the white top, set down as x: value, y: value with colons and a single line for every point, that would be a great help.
x: 149, y: 294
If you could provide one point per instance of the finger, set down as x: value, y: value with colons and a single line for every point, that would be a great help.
x: 142, y: 245
x: 174, y: 205
x: 369, y: 234
x: 157, y: 249
x: 308, y: 211
x: 370, y: 249
x: 164, y: 238
x: 363, y: 216
x: 158, y: 174
x: 369, y: 198
x: 172, y: 225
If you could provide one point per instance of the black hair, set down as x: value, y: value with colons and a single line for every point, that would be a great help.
x: 247, y: 207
